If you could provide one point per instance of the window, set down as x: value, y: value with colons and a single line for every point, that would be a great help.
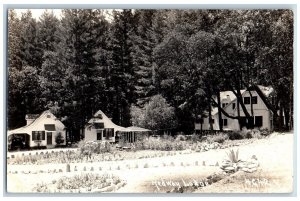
x: 99, y: 135
x: 224, y: 122
x: 224, y: 104
x: 250, y: 123
x: 233, y: 106
x: 108, y: 133
x: 246, y: 100
x: 254, y: 99
x: 258, y: 121
x: 99, y: 116
x: 99, y: 125
x: 38, y: 135
x: 49, y: 127
x: 212, y: 121
x: 48, y: 116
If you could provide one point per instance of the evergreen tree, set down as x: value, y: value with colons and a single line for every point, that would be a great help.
x: 142, y: 54
x: 122, y: 72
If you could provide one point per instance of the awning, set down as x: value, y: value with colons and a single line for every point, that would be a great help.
x: 136, y: 129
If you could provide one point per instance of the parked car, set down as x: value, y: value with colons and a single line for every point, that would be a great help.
x: 17, y: 143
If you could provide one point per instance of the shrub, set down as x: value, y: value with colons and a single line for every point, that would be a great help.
x: 219, y: 138
x: 167, y: 137
x: 264, y: 132
x: 180, y: 138
x: 256, y: 134
x: 92, y: 147
x: 87, y: 180
x: 166, y: 143
x: 195, y: 137
x: 245, y: 133
x: 235, y: 135
x: 59, y: 139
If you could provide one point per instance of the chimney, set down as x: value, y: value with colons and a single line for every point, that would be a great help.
x: 30, y: 118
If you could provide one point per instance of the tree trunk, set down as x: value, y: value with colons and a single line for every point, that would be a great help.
x: 280, y: 123
x: 219, y: 112
x: 238, y: 112
x: 210, y: 119
x: 291, y: 113
x: 287, y: 119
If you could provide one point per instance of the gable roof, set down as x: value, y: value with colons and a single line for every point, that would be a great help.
x: 39, y: 124
x: 107, y: 121
x: 100, y: 117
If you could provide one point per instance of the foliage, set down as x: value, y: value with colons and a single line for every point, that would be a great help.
x: 264, y: 132
x: 88, y: 182
x: 156, y: 115
x: 235, y: 135
x: 59, y: 139
x: 83, y: 62
x: 195, y: 137
x: 180, y: 138
x: 233, y: 156
x: 245, y: 134
x: 219, y: 138
x: 94, y: 147
x: 163, y: 144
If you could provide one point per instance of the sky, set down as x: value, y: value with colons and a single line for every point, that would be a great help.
x: 36, y: 13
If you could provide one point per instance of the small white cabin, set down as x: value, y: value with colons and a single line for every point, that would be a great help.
x: 101, y: 128
x: 40, y: 131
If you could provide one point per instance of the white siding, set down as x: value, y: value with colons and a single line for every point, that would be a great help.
x: 259, y: 109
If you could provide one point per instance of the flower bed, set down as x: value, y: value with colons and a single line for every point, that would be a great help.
x: 84, y: 183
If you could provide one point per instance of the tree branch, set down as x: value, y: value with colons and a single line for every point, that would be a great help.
x: 223, y: 111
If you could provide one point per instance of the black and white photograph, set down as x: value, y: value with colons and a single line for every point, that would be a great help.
x: 161, y: 101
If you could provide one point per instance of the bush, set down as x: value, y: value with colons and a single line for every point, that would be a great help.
x: 195, y: 137
x: 92, y: 147
x: 264, y: 132
x: 166, y: 143
x: 180, y: 138
x: 219, y: 138
x: 167, y: 137
x: 59, y: 139
x: 256, y: 134
x: 245, y: 133
x: 87, y: 181
x: 235, y: 135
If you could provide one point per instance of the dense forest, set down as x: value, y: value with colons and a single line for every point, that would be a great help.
x: 86, y: 60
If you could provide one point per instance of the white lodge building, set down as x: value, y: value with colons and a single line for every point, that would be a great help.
x: 262, y: 115
x: 40, y: 131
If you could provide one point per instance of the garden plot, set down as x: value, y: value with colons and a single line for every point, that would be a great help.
x: 140, y: 173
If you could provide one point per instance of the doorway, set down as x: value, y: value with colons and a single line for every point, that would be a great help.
x: 49, y: 138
